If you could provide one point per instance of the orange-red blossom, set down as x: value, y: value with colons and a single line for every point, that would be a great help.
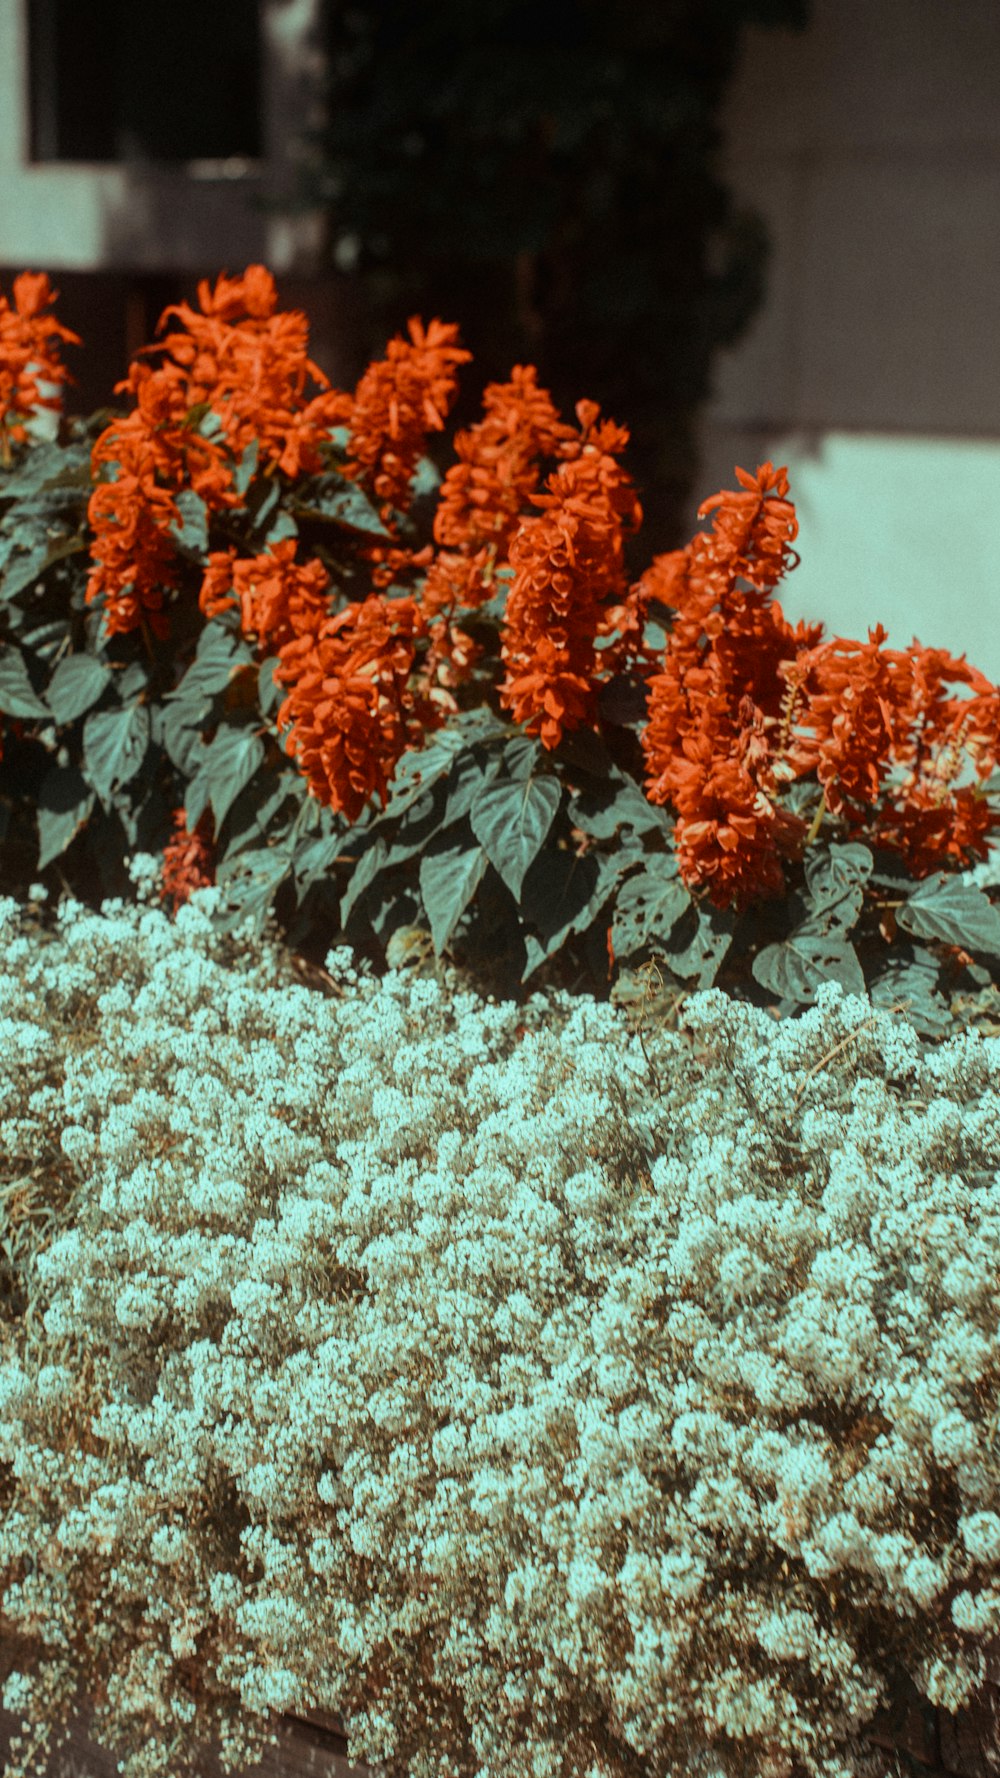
x: 736, y: 677
x: 188, y: 859
x: 249, y: 366
x: 29, y: 355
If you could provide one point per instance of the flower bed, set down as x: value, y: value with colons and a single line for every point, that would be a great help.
x: 414, y: 1360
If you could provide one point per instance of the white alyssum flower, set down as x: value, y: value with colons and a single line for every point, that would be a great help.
x: 371, y: 1341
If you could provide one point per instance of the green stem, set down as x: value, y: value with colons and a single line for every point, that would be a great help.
x: 817, y: 822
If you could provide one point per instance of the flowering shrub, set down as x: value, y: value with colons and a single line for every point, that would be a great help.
x: 263, y: 637
x: 602, y: 1427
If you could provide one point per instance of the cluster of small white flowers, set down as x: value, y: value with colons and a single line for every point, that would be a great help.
x: 467, y: 1386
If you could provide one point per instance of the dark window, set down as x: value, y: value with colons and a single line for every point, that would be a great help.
x: 120, y: 80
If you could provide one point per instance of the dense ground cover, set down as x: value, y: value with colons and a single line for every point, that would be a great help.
x: 612, y: 1408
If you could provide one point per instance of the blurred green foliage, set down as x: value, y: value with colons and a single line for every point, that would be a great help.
x: 547, y: 175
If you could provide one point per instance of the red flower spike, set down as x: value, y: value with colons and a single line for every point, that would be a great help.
x: 29, y: 353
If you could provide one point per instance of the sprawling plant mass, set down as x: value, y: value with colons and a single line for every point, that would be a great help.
x: 529, y: 1416
x: 247, y: 624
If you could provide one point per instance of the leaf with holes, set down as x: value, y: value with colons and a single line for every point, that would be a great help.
x: 957, y: 913
x: 648, y: 906
x: 796, y: 968
x: 915, y: 983
x: 703, y: 956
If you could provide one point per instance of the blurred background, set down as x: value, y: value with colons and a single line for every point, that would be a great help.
x: 750, y: 228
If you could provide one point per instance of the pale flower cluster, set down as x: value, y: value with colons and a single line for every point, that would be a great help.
x: 532, y: 1418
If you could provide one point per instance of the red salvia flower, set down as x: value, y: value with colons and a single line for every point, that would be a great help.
x: 718, y: 695
x: 481, y: 502
x: 278, y: 598
x: 30, y: 341
x: 484, y: 494
x: 188, y: 859
x: 869, y: 708
x: 250, y: 365
x: 567, y: 563
x: 132, y: 550
x: 351, y: 709
x: 399, y: 400
x: 246, y: 363
x: 720, y: 743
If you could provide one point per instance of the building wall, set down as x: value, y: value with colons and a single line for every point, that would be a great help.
x: 160, y: 218
x: 871, y: 144
x: 122, y: 241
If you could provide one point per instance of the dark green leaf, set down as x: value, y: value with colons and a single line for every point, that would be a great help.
x: 915, y: 983
x: 196, y: 800
x: 250, y: 883
x: 145, y: 820
x: 521, y: 755
x: 264, y: 497
x: 423, y: 818
x: 114, y: 746
x: 24, y: 570
x: 799, y: 965
x: 420, y: 767
x: 426, y: 478
x: 182, y: 739
x: 254, y: 811
x: 133, y: 680
x: 192, y: 532
x: 648, y: 906
x: 229, y: 763
x: 704, y: 956
x: 601, y: 809
x: 838, y: 867
x: 334, y: 498
x: 313, y: 860
x: 363, y: 874
x: 283, y: 526
x: 470, y: 771
x: 43, y: 464
x: 451, y: 870
x: 246, y: 468
x: 218, y: 654
x: 65, y: 801
x: 839, y: 907
x: 269, y: 693
x: 511, y: 820
x: 945, y: 908
x: 563, y: 895
x: 46, y: 640
x: 76, y: 684
x: 17, y: 697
